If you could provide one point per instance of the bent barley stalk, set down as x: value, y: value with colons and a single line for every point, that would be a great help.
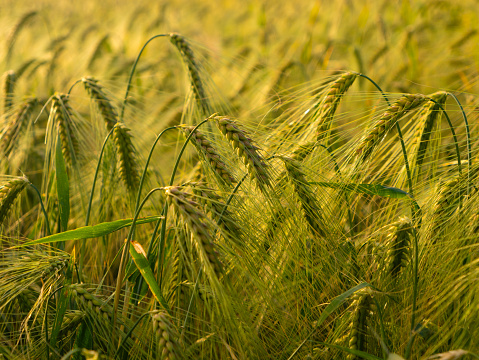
x: 193, y: 70
x: 206, y: 149
x: 8, y: 90
x: 199, y: 225
x: 311, y: 208
x: 387, y: 120
x: 331, y: 102
x: 9, y: 193
x: 127, y: 165
x: 426, y: 123
x: 63, y: 116
x: 14, y: 126
x: 108, y: 112
x: 246, y: 150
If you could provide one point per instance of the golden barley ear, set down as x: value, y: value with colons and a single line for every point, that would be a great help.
x: 208, y: 153
x: 63, y: 118
x: 97, y: 94
x: 362, y: 310
x: 9, y: 192
x: 126, y: 153
x: 387, y: 120
x: 193, y: 71
x: 167, y: 336
x: 245, y: 148
x: 15, y: 124
x: 9, y: 82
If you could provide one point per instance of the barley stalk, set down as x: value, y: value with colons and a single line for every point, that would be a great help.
x: 107, y: 110
x: 246, y: 150
x: 198, y: 224
x: 209, y: 153
x: 167, y: 337
x: 331, y: 102
x: 63, y: 116
x: 196, y: 84
x: 15, y: 123
x: 387, y: 120
x: 126, y: 156
x: 310, y: 206
x: 9, y: 193
x: 8, y: 90
x: 423, y: 133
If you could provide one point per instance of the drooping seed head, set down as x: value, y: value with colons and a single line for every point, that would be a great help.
x: 361, y: 307
x: 9, y: 192
x: 167, y: 336
x: 107, y: 110
x: 398, y: 248
x: 8, y: 90
x: 63, y: 117
x: 126, y: 156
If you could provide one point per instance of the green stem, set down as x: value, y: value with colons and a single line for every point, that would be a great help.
x: 165, y: 209
x: 47, y: 224
x: 132, y: 72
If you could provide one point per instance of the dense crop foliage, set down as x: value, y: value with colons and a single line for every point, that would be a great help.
x: 239, y: 180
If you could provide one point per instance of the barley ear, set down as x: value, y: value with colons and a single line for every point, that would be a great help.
x: 208, y: 152
x: 9, y: 192
x: 63, y: 117
x: 193, y: 71
x: 387, y: 120
x: 362, y: 307
x: 331, y: 102
x: 245, y: 148
x: 167, y: 337
x: 126, y: 156
x: 8, y: 90
x: 107, y: 110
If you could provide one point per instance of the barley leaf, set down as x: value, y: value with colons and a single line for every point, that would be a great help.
x: 88, y: 232
x: 139, y: 257
x: 368, y: 189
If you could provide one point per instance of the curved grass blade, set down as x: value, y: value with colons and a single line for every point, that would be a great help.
x: 87, y: 232
x: 139, y: 257
x: 368, y: 189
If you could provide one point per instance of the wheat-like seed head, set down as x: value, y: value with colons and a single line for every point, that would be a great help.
x: 426, y: 123
x: 9, y: 193
x: 90, y: 303
x: 246, y: 150
x: 8, y: 90
x: 63, y: 116
x: 361, y: 306
x: 167, y: 336
x: 15, y: 124
x: 398, y: 243
x: 331, y: 102
x: 198, y: 224
x: 108, y: 112
x: 209, y: 153
x: 386, y: 121
x: 196, y: 84
x: 127, y: 164
x: 311, y: 208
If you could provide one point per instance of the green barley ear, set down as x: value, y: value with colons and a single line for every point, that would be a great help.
x: 331, y: 101
x: 8, y: 90
x: 245, y: 148
x: 299, y: 153
x: 107, y: 110
x: 193, y: 71
x: 206, y: 149
x: 63, y: 117
x: 426, y: 123
x: 9, y: 192
x: 398, y: 244
x: 309, y: 204
x: 15, y: 124
x: 362, y: 307
x: 387, y: 120
x: 167, y: 337
x: 214, y: 204
x: 199, y: 225
x: 126, y: 157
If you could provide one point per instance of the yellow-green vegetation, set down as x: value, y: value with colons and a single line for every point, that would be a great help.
x: 239, y: 179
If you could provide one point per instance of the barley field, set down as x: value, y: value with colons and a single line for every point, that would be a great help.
x: 239, y: 179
